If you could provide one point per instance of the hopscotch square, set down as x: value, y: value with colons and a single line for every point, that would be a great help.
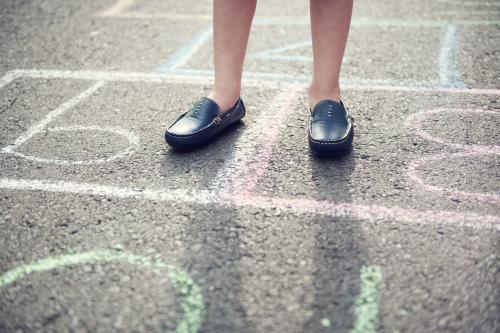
x: 114, y: 136
x: 249, y: 162
x: 26, y: 101
x: 169, y: 194
x: 396, y: 64
x: 376, y: 172
x: 285, y: 51
x: 439, y: 61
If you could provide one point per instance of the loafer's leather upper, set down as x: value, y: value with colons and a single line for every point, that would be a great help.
x: 201, y: 123
x: 329, y: 122
x: 200, y: 116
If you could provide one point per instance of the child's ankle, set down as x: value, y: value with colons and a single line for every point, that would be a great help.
x: 316, y: 95
x: 225, y: 100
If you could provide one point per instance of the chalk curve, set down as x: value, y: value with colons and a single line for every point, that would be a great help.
x: 415, y: 178
x: 191, y: 295
x: 415, y: 122
x: 132, y: 139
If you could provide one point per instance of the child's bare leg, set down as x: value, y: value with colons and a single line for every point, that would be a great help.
x: 330, y: 21
x: 232, y: 22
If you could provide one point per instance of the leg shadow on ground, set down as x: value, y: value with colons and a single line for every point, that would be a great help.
x: 212, y: 252
x: 338, y: 251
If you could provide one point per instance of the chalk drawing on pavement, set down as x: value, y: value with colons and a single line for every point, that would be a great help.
x: 191, y: 295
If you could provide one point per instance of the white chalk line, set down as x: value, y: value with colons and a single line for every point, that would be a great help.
x: 177, y: 77
x: 415, y: 122
x: 154, y: 194
x: 266, y: 80
x: 171, y: 195
x: 285, y: 78
x: 448, y: 57
x: 471, y: 91
x: 448, y: 72
x: 107, y: 76
x: 132, y: 139
x: 471, y: 3
x: 374, y: 22
x: 41, y: 126
x: 365, y: 212
x: 302, y: 20
x: 274, y: 53
x: 164, y: 16
x: 182, y: 56
x: 282, y: 57
x: 51, y: 116
x: 118, y: 7
x: 254, y: 148
x: 353, y: 84
x: 469, y: 12
x: 8, y: 78
x: 277, y: 53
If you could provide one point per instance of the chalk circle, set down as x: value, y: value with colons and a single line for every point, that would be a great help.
x: 191, y: 296
x: 415, y: 121
x: 133, y: 142
x: 413, y: 175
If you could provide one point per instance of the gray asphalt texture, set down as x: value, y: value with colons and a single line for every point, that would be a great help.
x: 261, y: 267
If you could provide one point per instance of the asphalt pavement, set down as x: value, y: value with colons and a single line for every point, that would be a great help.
x: 104, y: 228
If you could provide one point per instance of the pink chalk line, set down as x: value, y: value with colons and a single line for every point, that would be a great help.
x: 415, y: 121
x: 413, y: 175
x: 366, y: 212
x: 472, y: 91
x: 252, y: 164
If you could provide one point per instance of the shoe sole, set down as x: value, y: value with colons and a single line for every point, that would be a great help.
x: 334, y: 148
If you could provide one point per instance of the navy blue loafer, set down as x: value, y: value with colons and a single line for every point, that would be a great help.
x: 202, y: 123
x: 331, y: 129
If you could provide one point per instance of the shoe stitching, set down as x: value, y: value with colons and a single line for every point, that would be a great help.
x: 332, y: 142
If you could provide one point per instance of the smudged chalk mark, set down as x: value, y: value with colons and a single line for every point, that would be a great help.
x: 326, y: 322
